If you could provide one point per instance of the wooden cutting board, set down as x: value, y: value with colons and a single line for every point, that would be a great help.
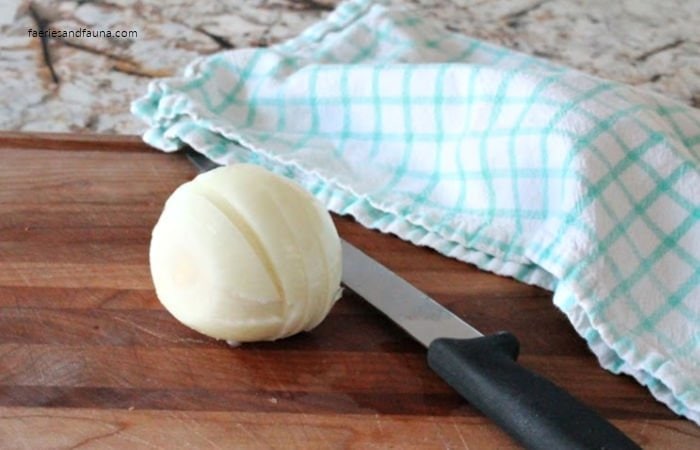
x: 89, y: 358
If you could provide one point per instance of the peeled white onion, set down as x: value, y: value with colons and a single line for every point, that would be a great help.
x: 242, y: 254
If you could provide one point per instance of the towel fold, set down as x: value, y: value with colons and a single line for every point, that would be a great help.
x: 583, y: 186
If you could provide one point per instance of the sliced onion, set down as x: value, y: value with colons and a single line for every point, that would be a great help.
x: 242, y: 254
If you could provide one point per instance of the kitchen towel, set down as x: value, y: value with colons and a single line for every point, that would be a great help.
x: 583, y: 186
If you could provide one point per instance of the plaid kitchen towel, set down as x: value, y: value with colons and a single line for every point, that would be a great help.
x: 580, y: 185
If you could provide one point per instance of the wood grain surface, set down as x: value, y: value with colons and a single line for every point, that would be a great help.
x: 89, y: 358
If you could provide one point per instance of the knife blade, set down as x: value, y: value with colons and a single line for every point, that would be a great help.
x: 482, y: 369
x: 419, y: 315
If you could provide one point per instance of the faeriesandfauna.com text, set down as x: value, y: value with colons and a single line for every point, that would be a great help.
x: 82, y: 33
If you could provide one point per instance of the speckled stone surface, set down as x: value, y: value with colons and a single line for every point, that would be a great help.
x: 648, y: 43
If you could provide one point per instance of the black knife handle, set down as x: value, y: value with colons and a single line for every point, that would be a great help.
x: 530, y: 408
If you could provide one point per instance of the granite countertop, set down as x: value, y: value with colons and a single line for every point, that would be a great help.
x: 86, y: 84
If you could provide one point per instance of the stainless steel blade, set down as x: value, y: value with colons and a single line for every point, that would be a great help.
x: 201, y: 162
x: 421, y: 316
x: 415, y: 312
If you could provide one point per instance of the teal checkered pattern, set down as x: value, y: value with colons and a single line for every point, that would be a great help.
x: 583, y: 186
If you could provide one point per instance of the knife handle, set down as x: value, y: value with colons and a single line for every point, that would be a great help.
x: 530, y: 408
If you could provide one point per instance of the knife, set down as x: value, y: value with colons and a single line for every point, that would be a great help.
x: 482, y: 369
